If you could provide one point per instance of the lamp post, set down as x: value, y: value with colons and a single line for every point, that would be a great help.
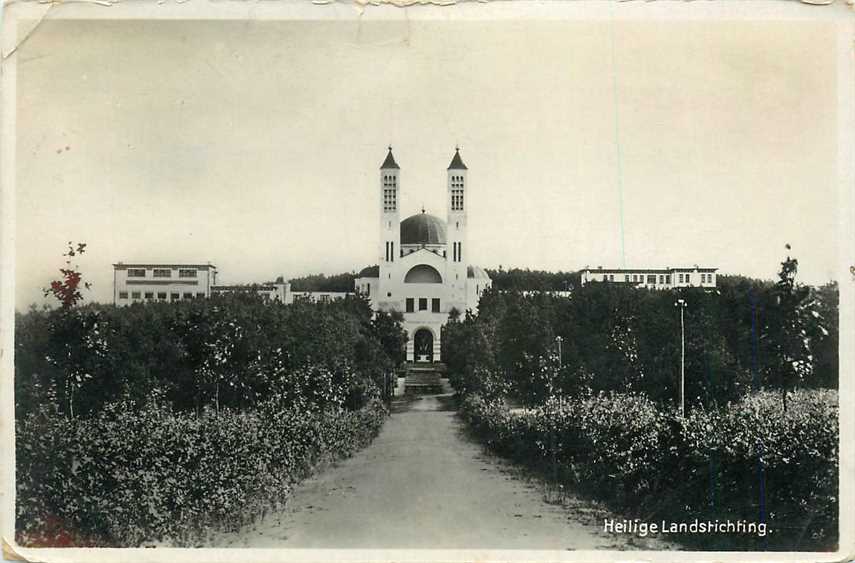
x: 681, y: 303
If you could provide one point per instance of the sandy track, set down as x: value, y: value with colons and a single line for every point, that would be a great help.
x: 423, y: 484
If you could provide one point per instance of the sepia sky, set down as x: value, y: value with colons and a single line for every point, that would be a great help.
x: 256, y: 145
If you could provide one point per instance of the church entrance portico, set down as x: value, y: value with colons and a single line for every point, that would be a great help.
x: 423, y: 343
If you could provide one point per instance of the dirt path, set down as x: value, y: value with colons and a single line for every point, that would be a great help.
x: 423, y: 484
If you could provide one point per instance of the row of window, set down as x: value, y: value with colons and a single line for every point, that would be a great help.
x: 161, y: 273
x: 423, y: 304
x: 161, y: 295
x: 307, y: 298
x: 390, y: 251
x: 662, y: 279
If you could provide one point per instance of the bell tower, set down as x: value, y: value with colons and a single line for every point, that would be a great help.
x: 457, y: 243
x: 390, y: 224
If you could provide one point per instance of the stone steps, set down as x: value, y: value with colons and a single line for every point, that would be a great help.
x: 423, y: 379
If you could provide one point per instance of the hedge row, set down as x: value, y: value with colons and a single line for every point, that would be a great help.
x: 136, y: 474
x: 615, y: 337
x: 229, y: 351
x: 749, y: 461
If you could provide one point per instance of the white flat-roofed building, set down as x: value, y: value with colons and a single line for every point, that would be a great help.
x: 653, y: 278
x: 133, y: 283
x: 279, y: 290
x: 319, y: 296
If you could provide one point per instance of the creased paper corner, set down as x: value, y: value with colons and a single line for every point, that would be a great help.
x: 9, y: 552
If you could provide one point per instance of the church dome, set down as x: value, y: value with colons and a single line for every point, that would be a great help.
x: 422, y: 228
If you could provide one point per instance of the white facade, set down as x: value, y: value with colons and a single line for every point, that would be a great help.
x: 664, y: 278
x: 134, y: 283
x: 423, y: 271
x: 138, y: 283
x: 279, y: 290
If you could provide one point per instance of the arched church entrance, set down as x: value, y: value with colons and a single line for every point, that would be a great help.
x: 423, y: 343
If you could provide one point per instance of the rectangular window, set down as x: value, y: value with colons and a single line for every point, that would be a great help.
x: 186, y: 273
x: 651, y: 279
x: 136, y: 273
x: 188, y: 296
x: 688, y: 278
x: 680, y: 277
x: 174, y: 297
x: 200, y: 295
x: 392, y: 253
x: 611, y: 277
x: 161, y: 295
x: 410, y: 304
x: 149, y: 295
x: 123, y: 295
x: 668, y: 279
x: 162, y: 273
x: 626, y: 277
x: 422, y: 303
x: 635, y: 277
x: 434, y: 305
x: 135, y: 295
x: 661, y: 279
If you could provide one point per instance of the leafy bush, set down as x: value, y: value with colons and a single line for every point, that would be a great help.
x: 227, y: 351
x: 618, y: 338
x: 136, y: 474
x: 748, y: 460
x: 164, y: 421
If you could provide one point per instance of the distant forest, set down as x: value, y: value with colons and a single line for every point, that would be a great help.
x: 321, y: 282
x: 507, y: 280
x: 513, y: 279
x: 533, y: 280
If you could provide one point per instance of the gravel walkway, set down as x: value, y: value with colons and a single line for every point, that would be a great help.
x: 423, y: 484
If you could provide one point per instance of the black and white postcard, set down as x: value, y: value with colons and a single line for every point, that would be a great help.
x: 486, y: 281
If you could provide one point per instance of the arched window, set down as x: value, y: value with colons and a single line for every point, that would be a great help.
x: 423, y: 274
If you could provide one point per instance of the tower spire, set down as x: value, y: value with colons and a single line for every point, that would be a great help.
x: 389, y: 163
x: 457, y: 162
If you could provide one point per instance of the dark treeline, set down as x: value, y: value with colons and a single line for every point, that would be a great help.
x: 628, y: 339
x: 227, y: 351
x: 517, y: 279
x: 322, y: 282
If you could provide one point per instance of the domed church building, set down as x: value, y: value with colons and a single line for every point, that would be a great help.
x: 423, y: 269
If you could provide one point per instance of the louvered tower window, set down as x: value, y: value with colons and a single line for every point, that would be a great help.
x: 390, y: 200
x: 457, y: 193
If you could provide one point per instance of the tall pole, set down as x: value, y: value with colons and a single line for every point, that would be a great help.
x: 681, y: 303
x: 682, y: 363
